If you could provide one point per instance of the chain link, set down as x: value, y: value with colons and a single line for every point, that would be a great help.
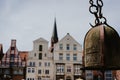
x: 97, y: 11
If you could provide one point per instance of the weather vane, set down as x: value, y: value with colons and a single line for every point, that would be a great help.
x: 96, y: 9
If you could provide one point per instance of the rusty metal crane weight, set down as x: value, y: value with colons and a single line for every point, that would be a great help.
x: 101, y: 43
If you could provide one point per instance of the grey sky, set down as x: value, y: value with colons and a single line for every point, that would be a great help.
x: 27, y: 20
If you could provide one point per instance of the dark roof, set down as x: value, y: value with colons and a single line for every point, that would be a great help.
x: 54, y: 38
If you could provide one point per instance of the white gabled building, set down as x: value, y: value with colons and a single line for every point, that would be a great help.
x: 67, y: 59
x: 62, y: 61
x: 40, y: 63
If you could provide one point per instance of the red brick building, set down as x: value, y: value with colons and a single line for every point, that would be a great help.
x: 13, y: 63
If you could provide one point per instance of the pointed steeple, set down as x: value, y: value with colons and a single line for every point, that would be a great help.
x: 54, y: 38
x: 1, y: 51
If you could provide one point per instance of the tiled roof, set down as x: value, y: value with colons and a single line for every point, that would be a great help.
x: 23, y: 55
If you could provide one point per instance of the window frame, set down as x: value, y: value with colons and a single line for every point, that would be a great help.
x: 61, y: 46
x: 68, y: 57
x: 67, y: 46
x: 74, y: 57
x: 60, y: 56
x: 40, y: 56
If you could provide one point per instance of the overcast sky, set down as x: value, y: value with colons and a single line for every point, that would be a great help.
x: 28, y: 20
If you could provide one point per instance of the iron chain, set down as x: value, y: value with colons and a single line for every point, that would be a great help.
x: 97, y: 11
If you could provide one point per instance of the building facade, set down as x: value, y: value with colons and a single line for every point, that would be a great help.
x: 40, y: 63
x: 67, y: 59
x: 11, y: 65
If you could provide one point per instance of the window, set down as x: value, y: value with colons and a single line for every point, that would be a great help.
x: 12, y: 56
x: 12, y: 48
x: 74, y: 47
x: 33, y: 70
x: 30, y: 64
x: 29, y: 70
x: 40, y: 55
x: 39, y: 71
x: 21, y: 71
x: 60, y: 56
x: 45, y: 54
x: 61, y: 46
x: 12, y: 51
x: 11, y: 63
x: 68, y: 57
x: 15, y: 64
x: 74, y: 57
x: 68, y: 68
x: 46, y: 71
x: 34, y: 64
x: 39, y: 78
x: 67, y: 46
x: 60, y: 68
x: 108, y: 75
x: 7, y: 64
x: 40, y: 47
x: 89, y: 74
x: 19, y: 63
x: 6, y: 71
x: 48, y: 63
x: 77, y: 69
x: 45, y: 63
x: 39, y: 63
x: 30, y: 78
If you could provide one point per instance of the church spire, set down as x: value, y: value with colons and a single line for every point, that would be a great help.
x: 54, y: 38
x: 1, y: 51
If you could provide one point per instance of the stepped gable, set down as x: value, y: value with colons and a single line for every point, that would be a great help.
x: 12, y: 57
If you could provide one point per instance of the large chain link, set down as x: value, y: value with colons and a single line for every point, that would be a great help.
x: 97, y: 11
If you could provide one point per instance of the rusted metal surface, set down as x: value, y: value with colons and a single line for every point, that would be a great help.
x: 102, y: 48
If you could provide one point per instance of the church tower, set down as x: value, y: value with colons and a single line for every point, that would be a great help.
x: 54, y: 38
